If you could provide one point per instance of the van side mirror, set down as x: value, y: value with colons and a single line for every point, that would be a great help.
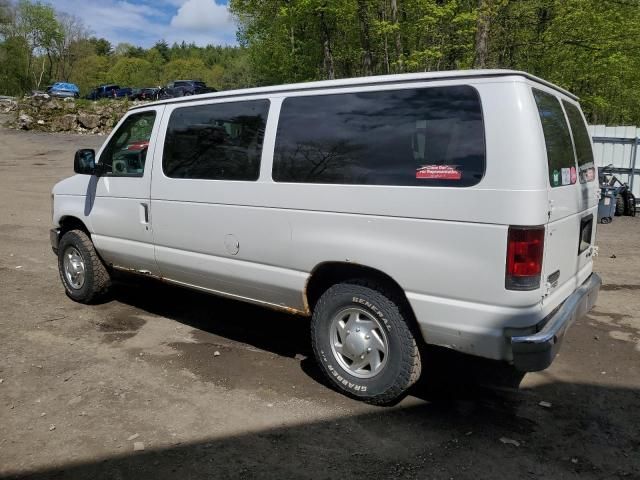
x: 84, y: 162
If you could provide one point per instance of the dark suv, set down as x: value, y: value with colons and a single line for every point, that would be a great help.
x: 180, y: 88
x: 108, y: 91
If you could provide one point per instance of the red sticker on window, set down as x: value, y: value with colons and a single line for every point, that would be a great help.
x: 573, y: 175
x: 438, y: 172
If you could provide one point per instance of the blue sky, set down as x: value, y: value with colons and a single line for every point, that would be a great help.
x: 143, y: 22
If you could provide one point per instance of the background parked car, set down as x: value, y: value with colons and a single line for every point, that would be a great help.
x: 180, y: 88
x: 148, y: 93
x: 109, y: 91
x: 63, y: 90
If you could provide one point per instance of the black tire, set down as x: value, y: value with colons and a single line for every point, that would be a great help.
x: 619, y: 205
x: 631, y: 205
x: 402, y: 366
x: 97, y: 279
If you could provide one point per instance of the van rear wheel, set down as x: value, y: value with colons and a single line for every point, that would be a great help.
x: 363, y: 343
x: 84, y: 276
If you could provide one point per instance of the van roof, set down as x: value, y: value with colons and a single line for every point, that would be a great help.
x: 365, y: 81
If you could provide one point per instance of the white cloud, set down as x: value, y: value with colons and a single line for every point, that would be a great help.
x: 204, y: 16
x: 143, y: 22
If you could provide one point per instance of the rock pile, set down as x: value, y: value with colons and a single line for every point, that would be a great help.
x: 8, y: 105
x: 49, y: 114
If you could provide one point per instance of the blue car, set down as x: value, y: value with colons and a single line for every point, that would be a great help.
x: 63, y: 89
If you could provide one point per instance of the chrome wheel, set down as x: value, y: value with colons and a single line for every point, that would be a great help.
x: 359, y: 342
x: 74, y: 270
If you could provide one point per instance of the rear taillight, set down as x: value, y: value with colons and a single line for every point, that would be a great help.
x: 525, y: 246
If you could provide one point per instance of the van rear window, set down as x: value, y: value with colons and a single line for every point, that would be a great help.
x: 582, y: 142
x: 415, y: 137
x: 562, y: 163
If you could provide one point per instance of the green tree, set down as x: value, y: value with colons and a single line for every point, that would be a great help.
x: 124, y: 49
x: 37, y: 25
x: 192, y: 68
x: 68, y: 47
x: 308, y: 39
x: 133, y: 72
x: 14, y: 78
x: 101, y: 46
x: 6, y: 14
x: 90, y: 71
x: 238, y: 74
x: 162, y: 48
x: 586, y: 46
x: 157, y: 61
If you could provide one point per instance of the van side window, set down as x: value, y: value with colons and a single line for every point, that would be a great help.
x: 562, y: 163
x: 414, y: 137
x: 126, y: 153
x: 582, y: 142
x: 221, y: 141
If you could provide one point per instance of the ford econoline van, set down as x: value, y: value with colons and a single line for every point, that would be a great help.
x: 453, y: 209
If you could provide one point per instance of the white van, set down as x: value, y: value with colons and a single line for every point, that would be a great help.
x: 451, y: 208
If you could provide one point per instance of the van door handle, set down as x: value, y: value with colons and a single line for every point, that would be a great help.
x: 144, y: 212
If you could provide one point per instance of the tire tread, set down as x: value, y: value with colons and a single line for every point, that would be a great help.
x: 620, y: 205
x: 410, y: 369
x: 100, y: 280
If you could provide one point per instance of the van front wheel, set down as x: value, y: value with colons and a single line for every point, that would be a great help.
x: 84, y: 276
x: 363, y: 343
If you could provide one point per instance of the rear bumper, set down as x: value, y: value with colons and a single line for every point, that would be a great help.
x: 535, y: 352
x: 54, y: 237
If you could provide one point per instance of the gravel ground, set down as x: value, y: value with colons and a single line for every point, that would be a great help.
x: 131, y: 388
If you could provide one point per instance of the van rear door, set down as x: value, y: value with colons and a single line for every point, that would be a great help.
x: 570, y: 232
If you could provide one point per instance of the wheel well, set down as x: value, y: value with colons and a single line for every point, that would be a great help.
x: 72, y: 223
x: 330, y: 273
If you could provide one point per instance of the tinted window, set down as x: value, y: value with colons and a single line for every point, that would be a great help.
x: 582, y: 142
x: 216, y: 142
x: 126, y: 153
x: 421, y: 137
x: 562, y: 164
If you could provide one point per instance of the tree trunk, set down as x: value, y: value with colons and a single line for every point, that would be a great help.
x: 328, y: 53
x: 482, y: 34
x: 387, y: 69
x: 64, y: 62
x: 365, y: 39
x: 50, y: 64
x: 38, y: 80
x: 398, y: 40
x: 30, y: 63
x: 328, y: 60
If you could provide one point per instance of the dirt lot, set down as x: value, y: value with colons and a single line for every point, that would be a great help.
x: 81, y: 385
